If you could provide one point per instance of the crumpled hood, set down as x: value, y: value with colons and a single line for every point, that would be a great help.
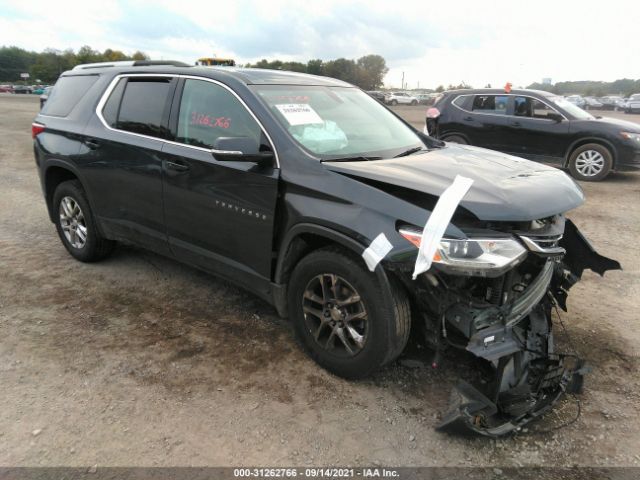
x: 505, y: 188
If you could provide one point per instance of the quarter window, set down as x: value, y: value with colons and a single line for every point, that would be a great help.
x: 142, y: 107
x: 496, y: 104
x: 209, y: 111
x: 67, y: 93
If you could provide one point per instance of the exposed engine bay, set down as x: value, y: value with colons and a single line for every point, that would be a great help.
x: 506, y: 321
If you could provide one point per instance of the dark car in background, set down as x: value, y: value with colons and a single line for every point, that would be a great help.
x: 45, y: 95
x: 539, y: 126
x: 21, y: 89
x: 592, y: 103
x: 377, y: 95
x: 314, y: 196
x: 612, y: 102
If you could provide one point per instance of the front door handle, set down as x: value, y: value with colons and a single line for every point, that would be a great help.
x: 468, y: 119
x: 516, y: 124
x: 177, y: 165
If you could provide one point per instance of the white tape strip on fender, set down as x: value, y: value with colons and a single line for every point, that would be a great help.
x: 438, y: 221
x: 376, y: 251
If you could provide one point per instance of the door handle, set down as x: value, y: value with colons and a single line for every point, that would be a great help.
x: 177, y: 166
x: 516, y: 124
x: 468, y: 119
x: 92, y: 144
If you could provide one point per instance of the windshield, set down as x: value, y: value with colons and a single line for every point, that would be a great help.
x: 572, y: 109
x: 338, y: 122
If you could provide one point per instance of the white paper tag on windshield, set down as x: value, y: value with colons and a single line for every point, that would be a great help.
x: 376, y: 251
x: 299, y: 114
x: 438, y: 222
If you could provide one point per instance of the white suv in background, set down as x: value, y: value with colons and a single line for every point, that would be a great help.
x: 395, y: 98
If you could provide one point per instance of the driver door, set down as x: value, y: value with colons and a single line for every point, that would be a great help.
x: 219, y: 215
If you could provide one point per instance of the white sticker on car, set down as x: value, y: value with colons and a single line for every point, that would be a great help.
x: 376, y: 251
x: 438, y: 222
x: 299, y: 114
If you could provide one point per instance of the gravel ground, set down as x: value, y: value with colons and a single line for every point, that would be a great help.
x: 139, y: 360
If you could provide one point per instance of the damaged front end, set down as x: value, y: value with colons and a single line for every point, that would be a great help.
x: 504, y: 318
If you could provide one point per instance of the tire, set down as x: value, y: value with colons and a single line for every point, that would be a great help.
x: 383, y: 329
x: 393, y: 103
x: 456, y: 139
x: 414, y: 103
x: 74, y: 219
x: 591, y: 162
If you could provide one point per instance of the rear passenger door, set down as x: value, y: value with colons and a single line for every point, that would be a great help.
x: 219, y: 214
x: 487, y: 121
x: 122, y: 158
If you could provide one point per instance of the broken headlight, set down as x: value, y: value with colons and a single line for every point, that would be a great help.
x: 473, y: 256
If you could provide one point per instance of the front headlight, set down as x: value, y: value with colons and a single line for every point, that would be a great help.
x: 474, y: 255
x: 631, y: 136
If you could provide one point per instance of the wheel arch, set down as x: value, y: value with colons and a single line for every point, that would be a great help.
x: 304, y: 238
x: 54, y: 174
x: 585, y: 140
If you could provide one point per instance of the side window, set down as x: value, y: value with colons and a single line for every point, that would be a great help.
x: 209, y: 111
x: 522, y: 106
x: 542, y: 110
x: 110, y: 110
x: 142, y: 106
x: 67, y: 93
x: 461, y: 101
x: 496, y: 104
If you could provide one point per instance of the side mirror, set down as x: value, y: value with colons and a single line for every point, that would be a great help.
x: 556, y: 117
x: 240, y: 149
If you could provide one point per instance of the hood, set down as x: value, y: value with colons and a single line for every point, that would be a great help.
x: 505, y: 188
x: 616, y: 123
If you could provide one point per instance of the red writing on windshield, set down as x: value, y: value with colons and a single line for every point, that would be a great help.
x: 209, y: 120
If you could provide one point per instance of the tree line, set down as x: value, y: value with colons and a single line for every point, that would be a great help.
x: 624, y: 86
x: 46, y: 66
x: 366, y: 72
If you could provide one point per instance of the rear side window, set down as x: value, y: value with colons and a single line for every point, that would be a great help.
x: 496, y: 104
x: 67, y: 93
x: 142, y: 106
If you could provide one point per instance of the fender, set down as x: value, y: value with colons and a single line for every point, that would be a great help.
x: 607, y: 143
x: 56, y: 162
x: 279, y: 289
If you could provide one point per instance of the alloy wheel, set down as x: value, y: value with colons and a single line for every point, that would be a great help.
x: 590, y: 163
x: 335, y: 315
x: 72, y: 222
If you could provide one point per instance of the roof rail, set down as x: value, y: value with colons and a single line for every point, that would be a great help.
x: 131, y: 63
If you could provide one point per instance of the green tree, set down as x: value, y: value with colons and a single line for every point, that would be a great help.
x: 371, y: 72
x: 315, y: 67
x: 439, y: 89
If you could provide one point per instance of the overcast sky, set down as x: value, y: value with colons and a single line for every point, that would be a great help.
x: 432, y: 42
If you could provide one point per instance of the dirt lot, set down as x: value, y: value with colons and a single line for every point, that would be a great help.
x: 139, y: 360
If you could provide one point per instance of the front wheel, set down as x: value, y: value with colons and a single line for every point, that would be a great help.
x: 340, y: 315
x: 414, y: 102
x: 590, y: 163
x: 76, y: 225
x: 393, y: 103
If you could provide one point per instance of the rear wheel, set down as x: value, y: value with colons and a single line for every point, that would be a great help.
x: 76, y: 225
x: 591, y: 162
x: 456, y: 139
x: 393, y: 102
x: 414, y: 102
x: 340, y: 316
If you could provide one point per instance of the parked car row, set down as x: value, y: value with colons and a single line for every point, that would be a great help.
x: 33, y: 89
x: 403, y: 98
x: 610, y: 102
x: 539, y: 126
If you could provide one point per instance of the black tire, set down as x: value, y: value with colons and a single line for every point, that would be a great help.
x: 602, y: 162
x: 456, y: 139
x: 94, y: 247
x: 393, y: 103
x: 414, y: 103
x: 385, y: 330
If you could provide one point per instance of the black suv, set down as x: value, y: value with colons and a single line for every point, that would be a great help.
x: 314, y: 196
x: 539, y: 126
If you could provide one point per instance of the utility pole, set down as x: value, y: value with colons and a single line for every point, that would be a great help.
x: 402, y: 80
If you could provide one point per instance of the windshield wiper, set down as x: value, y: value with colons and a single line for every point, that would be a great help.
x: 357, y: 158
x: 410, y: 151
